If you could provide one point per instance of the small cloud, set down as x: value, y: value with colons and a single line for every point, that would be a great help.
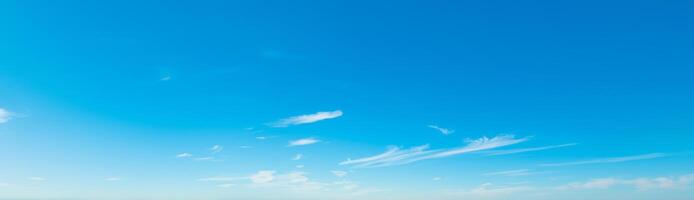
x: 306, y: 119
x: 300, y: 166
x: 112, y: 179
x: 443, y: 131
x: 261, y: 138
x: 304, y: 141
x: 339, y: 173
x: 264, y: 176
x: 5, y: 115
x: 35, y: 178
x: 436, y: 179
x: 245, y: 147
x: 165, y: 78
x: 298, y: 157
x: 184, y: 155
x: 608, y: 160
x: 216, y: 148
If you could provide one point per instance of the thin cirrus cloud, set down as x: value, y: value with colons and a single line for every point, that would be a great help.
x: 302, y: 142
x: 183, y: 155
x: 216, y: 148
x: 306, y: 119
x: 298, y: 157
x: 516, y: 172
x: 608, y: 160
x: 5, y: 115
x: 443, y: 131
x: 514, y: 151
x: 397, y: 156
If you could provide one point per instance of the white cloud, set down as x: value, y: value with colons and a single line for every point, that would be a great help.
x: 444, y: 131
x: 299, y: 166
x: 436, y: 179
x: 638, y: 183
x: 222, y: 179
x: 304, y: 141
x: 264, y: 176
x: 306, y: 119
x: 396, y: 156
x: 261, y: 138
x: 165, y: 78
x: 5, y: 115
x: 226, y: 185
x: 216, y: 148
x: 608, y: 160
x: 298, y: 157
x: 339, y: 173
x: 36, y: 178
x: 517, y: 172
x: 513, y: 151
x: 112, y: 179
x: 208, y: 158
x: 245, y: 147
x: 184, y: 155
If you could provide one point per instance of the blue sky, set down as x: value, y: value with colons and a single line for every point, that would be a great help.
x: 346, y: 100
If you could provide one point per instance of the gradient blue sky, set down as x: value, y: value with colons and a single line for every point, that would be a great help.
x: 413, y: 100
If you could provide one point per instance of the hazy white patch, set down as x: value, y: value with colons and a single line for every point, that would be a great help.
x: 306, y: 119
x: 608, y: 160
x: 339, y: 173
x: 638, y: 183
x: 36, y: 178
x: 208, y: 158
x: 304, y: 141
x: 165, y: 78
x: 222, y: 179
x: 5, y: 115
x: 444, y: 131
x: 264, y: 176
x: 300, y: 166
x: 245, y: 147
x: 436, y: 179
x: 298, y: 157
x: 112, y: 179
x: 227, y: 185
x: 184, y: 155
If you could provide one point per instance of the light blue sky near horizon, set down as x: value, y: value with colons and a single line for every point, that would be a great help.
x: 103, y: 96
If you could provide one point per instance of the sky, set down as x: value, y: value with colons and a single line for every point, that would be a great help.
x: 436, y: 100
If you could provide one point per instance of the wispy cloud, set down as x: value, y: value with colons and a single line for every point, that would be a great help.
x: 5, y: 115
x: 304, y: 141
x: 516, y: 172
x: 306, y: 119
x: 514, y: 151
x: 608, y: 160
x: 165, y: 78
x: 184, y: 155
x: 339, y: 173
x: 298, y: 157
x: 226, y: 185
x: 444, y: 131
x: 36, y: 178
x: 222, y: 179
x: 216, y: 148
x: 396, y: 156
x: 208, y: 158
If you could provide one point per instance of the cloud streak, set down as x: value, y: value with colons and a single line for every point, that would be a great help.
x: 306, y: 119
x: 302, y: 142
x: 608, y: 160
x: 444, y: 131
x: 514, y: 151
x: 397, y: 156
